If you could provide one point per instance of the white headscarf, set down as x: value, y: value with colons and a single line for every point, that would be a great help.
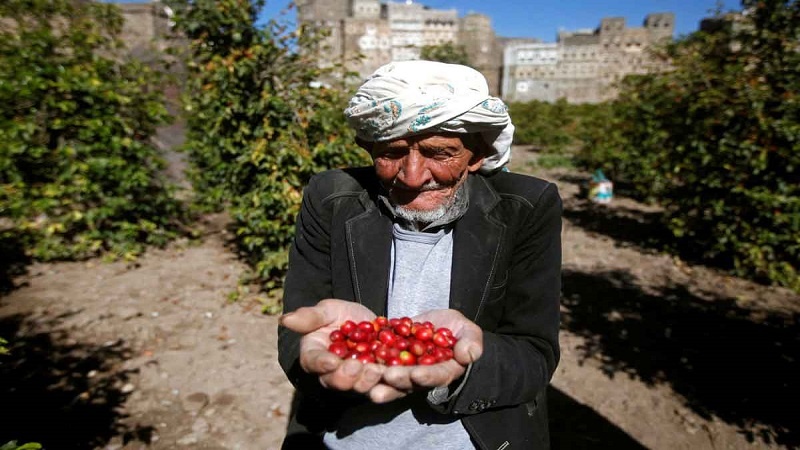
x: 413, y: 97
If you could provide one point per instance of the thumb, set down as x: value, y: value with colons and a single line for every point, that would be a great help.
x: 469, y: 346
x: 304, y: 320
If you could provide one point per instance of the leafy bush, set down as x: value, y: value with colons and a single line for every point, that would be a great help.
x: 554, y: 128
x: 447, y: 53
x: 716, y: 141
x: 260, y: 123
x: 550, y: 161
x: 542, y: 124
x: 78, y: 175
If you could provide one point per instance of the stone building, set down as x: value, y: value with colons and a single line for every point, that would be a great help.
x: 483, y: 47
x: 582, y: 66
x: 148, y: 32
x: 366, y: 34
x: 147, y: 28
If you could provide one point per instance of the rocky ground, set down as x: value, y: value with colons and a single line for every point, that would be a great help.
x: 658, y: 353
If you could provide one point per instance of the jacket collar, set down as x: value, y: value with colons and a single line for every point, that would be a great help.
x: 475, y: 249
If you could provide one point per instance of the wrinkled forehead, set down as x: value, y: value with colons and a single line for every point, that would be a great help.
x: 470, y: 141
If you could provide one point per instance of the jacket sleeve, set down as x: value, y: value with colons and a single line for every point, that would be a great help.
x: 521, y: 352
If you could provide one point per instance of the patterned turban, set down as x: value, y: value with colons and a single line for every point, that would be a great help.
x: 414, y: 97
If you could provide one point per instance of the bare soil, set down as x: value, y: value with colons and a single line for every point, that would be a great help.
x: 657, y: 352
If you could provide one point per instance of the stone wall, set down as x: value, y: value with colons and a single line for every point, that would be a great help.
x: 146, y: 29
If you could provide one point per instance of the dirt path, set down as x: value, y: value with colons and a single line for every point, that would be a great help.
x: 153, y: 356
x: 657, y: 353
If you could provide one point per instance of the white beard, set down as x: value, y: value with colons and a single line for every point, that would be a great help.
x: 415, y: 215
x: 449, y: 210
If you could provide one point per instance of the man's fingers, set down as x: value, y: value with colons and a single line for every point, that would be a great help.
x: 368, y: 378
x: 440, y: 374
x: 326, y: 312
x: 305, y: 320
x: 344, y: 377
x: 470, y: 337
x: 383, y: 393
x: 469, y: 346
x: 399, y: 377
x: 319, y: 361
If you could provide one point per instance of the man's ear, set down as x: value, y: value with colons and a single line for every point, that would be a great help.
x: 475, y: 162
x: 474, y: 142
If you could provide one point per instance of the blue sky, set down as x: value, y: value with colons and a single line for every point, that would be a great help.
x: 543, y: 18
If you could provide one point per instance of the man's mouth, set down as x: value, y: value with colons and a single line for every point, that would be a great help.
x: 429, y: 186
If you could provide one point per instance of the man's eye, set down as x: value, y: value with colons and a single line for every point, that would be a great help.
x: 394, y: 153
x: 437, y: 153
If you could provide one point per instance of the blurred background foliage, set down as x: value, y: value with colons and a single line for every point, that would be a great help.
x: 716, y: 142
x: 262, y: 118
x: 447, y: 53
x: 78, y: 174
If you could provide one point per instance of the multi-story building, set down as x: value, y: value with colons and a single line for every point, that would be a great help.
x: 483, y: 48
x: 366, y: 34
x: 582, y: 66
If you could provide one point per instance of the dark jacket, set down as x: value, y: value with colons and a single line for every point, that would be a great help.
x: 505, y: 277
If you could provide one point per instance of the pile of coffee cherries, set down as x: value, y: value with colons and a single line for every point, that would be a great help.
x: 392, y: 342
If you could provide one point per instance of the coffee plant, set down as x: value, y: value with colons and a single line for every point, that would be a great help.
x: 78, y: 175
x: 717, y: 141
x: 549, y: 127
x: 262, y: 118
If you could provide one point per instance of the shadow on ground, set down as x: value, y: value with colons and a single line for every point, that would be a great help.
x: 626, y: 225
x: 13, y: 260
x: 58, y: 392
x: 575, y: 426
x: 736, y: 364
x: 632, y: 226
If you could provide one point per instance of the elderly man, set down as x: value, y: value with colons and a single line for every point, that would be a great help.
x: 437, y: 231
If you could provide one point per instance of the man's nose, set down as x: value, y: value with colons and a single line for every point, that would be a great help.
x: 414, y: 171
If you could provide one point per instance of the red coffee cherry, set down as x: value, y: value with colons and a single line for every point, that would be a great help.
x: 396, y: 341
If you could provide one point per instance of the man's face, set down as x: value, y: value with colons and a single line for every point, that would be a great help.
x: 422, y: 173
